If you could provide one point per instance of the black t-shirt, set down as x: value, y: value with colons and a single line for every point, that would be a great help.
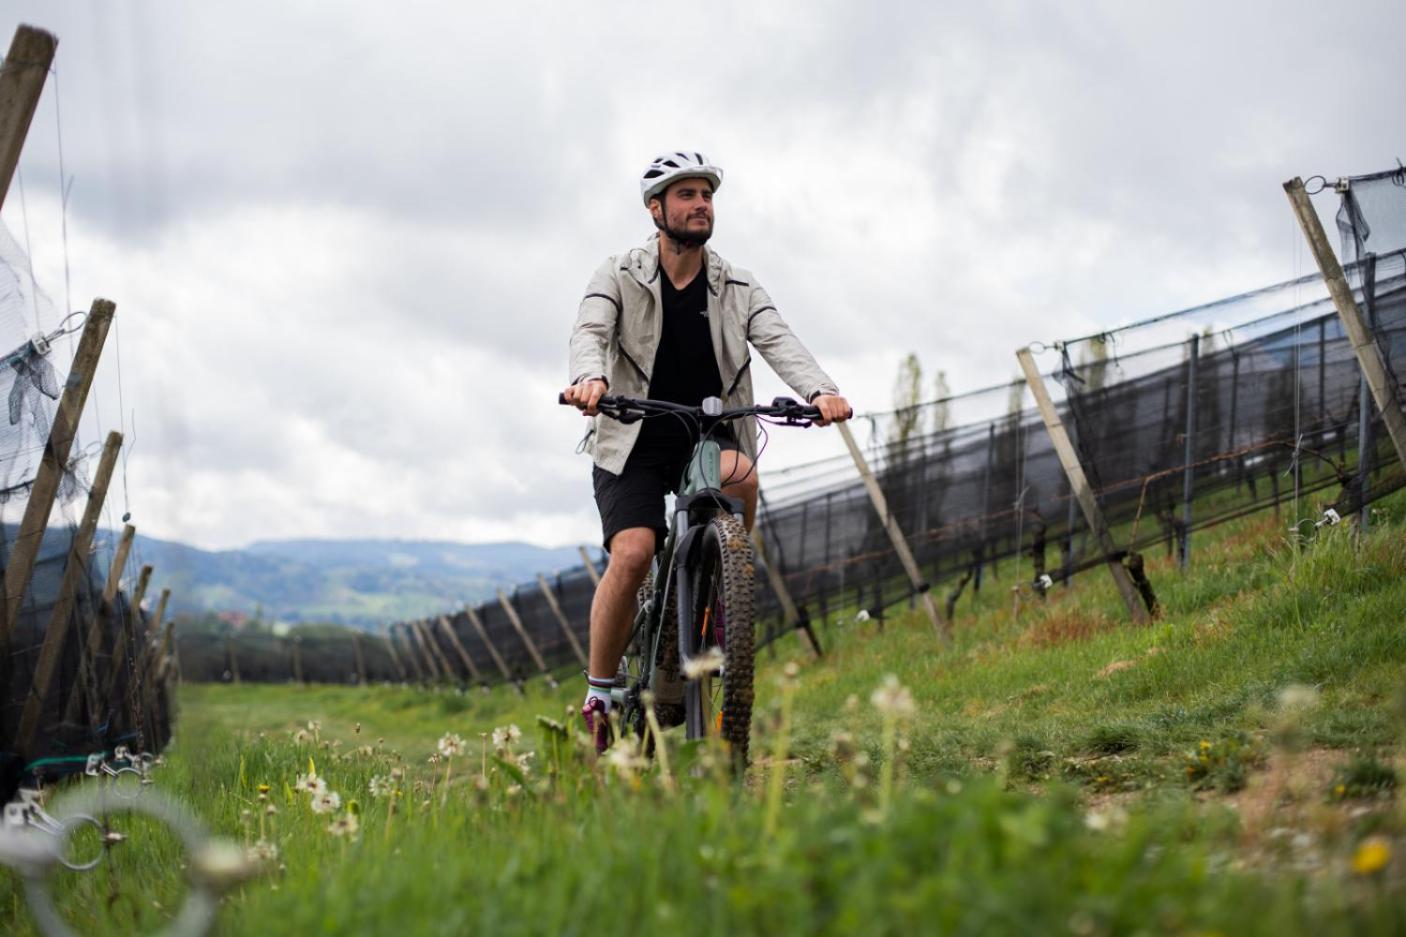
x: 685, y: 367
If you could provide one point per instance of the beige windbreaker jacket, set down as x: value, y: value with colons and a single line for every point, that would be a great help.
x: 617, y: 334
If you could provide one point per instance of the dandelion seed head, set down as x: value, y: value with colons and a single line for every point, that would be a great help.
x: 345, y: 825
x: 326, y: 802
x: 700, y: 665
x: 301, y: 737
x: 451, y: 745
x: 893, y: 699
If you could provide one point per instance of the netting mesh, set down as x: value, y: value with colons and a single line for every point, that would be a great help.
x: 1180, y: 422
x: 100, y: 693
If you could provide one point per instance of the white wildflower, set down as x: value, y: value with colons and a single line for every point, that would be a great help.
x: 892, y: 698
x: 326, y: 802
x: 700, y: 665
x: 381, y: 786
x: 503, y: 736
x: 262, y: 851
x: 345, y: 825
x: 451, y: 745
x: 310, y: 783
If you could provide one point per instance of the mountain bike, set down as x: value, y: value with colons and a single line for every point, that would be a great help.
x: 692, y: 641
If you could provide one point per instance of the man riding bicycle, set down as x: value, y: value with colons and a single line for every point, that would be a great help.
x: 671, y: 320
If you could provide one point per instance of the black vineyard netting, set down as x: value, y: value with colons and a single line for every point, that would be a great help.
x: 83, y: 711
x: 1276, y: 421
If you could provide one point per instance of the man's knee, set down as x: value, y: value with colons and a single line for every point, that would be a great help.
x: 631, y: 551
x: 739, y: 479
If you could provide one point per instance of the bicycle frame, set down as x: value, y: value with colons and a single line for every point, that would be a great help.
x: 699, y: 498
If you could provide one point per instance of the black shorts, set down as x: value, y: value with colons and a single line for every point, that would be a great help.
x: 635, y: 497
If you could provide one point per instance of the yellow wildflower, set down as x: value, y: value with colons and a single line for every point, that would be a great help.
x: 1372, y: 855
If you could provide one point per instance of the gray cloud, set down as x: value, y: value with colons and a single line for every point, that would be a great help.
x: 347, y: 247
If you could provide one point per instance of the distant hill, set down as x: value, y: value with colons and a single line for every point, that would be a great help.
x: 352, y: 582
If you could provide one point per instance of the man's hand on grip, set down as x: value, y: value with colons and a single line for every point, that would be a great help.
x: 585, y: 395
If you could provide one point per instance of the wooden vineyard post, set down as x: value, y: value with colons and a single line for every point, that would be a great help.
x: 561, y: 618
x: 89, y: 681
x: 407, y: 650
x: 51, y: 469
x: 459, y: 649
x: 295, y: 644
x: 522, y: 633
x: 1363, y: 343
x: 1189, y: 473
x: 395, y: 656
x: 233, y: 655
x: 143, y: 582
x: 1079, y: 483
x: 56, y: 633
x: 590, y: 566
x: 492, y: 651
x: 940, y: 625
x: 22, y: 79
x: 360, y: 660
x: 791, y: 618
x: 436, y: 653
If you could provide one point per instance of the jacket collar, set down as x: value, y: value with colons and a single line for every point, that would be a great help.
x: 644, y: 265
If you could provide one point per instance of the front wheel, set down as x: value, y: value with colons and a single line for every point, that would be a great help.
x: 718, y: 701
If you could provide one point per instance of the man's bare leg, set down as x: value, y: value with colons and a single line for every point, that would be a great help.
x: 613, y: 608
x: 740, y: 481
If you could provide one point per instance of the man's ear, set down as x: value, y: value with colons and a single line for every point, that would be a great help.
x: 656, y: 209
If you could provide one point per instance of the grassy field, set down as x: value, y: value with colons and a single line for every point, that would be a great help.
x: 1230, y: 769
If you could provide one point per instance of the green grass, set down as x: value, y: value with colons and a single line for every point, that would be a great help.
x: 1219, y: 771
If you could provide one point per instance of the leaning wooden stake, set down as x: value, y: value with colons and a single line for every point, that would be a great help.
x: 21, y: 83
x: 360, y: 660
x: 468, y: 662
x: 522, y: 632
x: 560, y: 616
x: 90, y: 681
x: 1079, y: 484
x: 232, y: 652
x: 492, y: 651
x: 74, y: 574
x: 940, y: 625
x: 51, y: 468
x: 590, y: 566
x: 395, y: 656
x: 407, y: 652
x: 1364, y: 344
x: 436, y: 653
x: 790, y: 616
x: 295, y: 644
x: 143, y: 583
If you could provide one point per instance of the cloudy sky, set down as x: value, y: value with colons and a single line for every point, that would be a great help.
x: 347, y: 241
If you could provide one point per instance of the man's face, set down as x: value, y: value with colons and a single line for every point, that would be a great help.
x: 685, y: 211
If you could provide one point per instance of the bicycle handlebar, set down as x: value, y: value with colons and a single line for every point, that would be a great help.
x: 629, y: 410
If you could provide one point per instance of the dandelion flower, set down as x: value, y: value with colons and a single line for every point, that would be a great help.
x: 700, y: 665
x: 1371, y: 856
x: 310, y: 783
x: 263, y: 788
x: 301, y: 737
x: 503, y: 736
x: 326, y: 802
x: 262, y: 851
x: 892, y: 698
x: 434, y: 758
x: 625, y: 760
x: 451, y: 745
x: 314, y: 725
x: 345, y: 825
x: 380, y: 787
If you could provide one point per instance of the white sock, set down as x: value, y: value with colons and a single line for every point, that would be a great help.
x: 598, y: 688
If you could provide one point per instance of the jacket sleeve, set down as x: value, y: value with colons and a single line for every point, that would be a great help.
x: 596, y: 321
x: 779, y: 346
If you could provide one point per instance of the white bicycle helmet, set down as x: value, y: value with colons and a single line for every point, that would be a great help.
x: 667, y: 168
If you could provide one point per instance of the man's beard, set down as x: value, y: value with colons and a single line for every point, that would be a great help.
x: 685, y: 238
